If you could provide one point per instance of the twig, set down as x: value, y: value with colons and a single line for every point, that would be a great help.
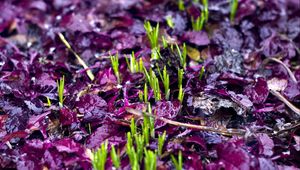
x: 81, y: 62
x: 228, y: 132
x: 285, y: 101
x: 294, y: 126
x: 284, y: 65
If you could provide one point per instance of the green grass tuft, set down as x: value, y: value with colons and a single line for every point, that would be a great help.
x: 115, y: 65
x: 161, y: 141
x: 150, y: 160
x: 99, y: 157
x: 177, y: 162
x: 152, y: 34
x: 60, y: 90
x: 115, y: 157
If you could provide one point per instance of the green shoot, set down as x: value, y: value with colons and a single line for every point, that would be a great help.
x: 133, y: 64
x: 150, y: 160
x: 141, y: 65
x: 115, y: 65
x: 132, y: 127
x: 172, y: 47
x: 145, y: 93
x: 180, y: 77
x: 139, y: 141
x: 201, y: 72
x: 181, y: 5
x: 156, y: 89
x: 155, y: 54
x: 48, y: 102
x: 148, y: 126
x: 152, y: 33
x: 60, y: 90
x: 182, y: 55
x: 99, y: 157
x: 170, y: 21
x: 177, y: 163
x: 147, y: 75
x: 131, y: 153
x: 164, y: 41
x: 115, y: 157
x: 205, y: 13
x: 151, y: 121
x: 146, y: 129
x: 197, y: 24
x: 166, y: 82
x: 180, y: 94
x: 141, y: 96
x: 161, y: 141
x: 81, y: 62
x: 233, y: 9
x: 154, y: 83
x: 159, y: 72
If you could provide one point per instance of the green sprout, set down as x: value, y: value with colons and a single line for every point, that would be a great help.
x: 147, y: 74
x: 81, y: 62
x: 164, y: 41
x: 145, y: 93
x: 152, y: 33
x: 197, y: 24
x: 166, y: 82
x: 180, y: 94
x: 132, y: 126
x: 131, y: 153
x: 153, y: 82
x: 233, y: 9
x: 115, y: 157
x: 141, y: 96
x: 205, y: 10
x: 141, y: 65
x: 115, y: 65
x: 182, y: 55
x: 150, y: 160
x: 170, y: 21
x: 156, y: 89
x: 201, y: 72
x: 177, y: 163
x: 99, y: 157
x: 181, y: 5
x: 48, y: 101
x: 151, y: 121
x: 180, y: 77
x: 134, y: 65
x: 139, y: 141
x: 146, y: 129
x: 161, y: 141
x: 148, y: 126
x: 60, y: 90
